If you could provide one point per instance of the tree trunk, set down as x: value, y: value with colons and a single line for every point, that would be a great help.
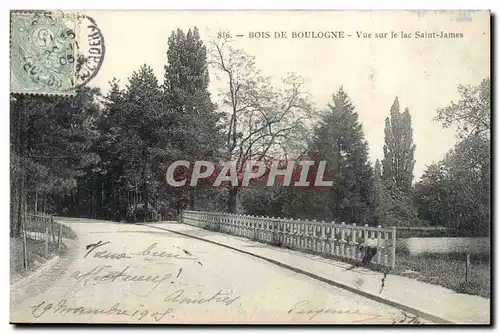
x: 113, y: 202
x: 135, y: 203
x: 231, y: 200
x: 92, y: 198
x: 192, y: 196
x: 145, y: 186
x: 102, y: 212
x: 146, y: 200
x: 13, y: 208
x: 18, y: 227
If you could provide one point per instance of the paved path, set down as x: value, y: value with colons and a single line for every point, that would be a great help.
x: 436, y: 303
x: 140, y: 274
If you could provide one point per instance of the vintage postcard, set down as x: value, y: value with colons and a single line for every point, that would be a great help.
x: 250, y: 167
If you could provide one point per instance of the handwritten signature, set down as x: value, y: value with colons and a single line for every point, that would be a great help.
x: 300, y: 308
x: 405, y: 318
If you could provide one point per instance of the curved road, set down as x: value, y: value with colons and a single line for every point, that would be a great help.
x: 136, y: 274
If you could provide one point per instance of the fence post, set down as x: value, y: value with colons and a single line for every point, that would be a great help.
x: 59, y: 237
x: 467, y: 268
x: 52, y: 229
x: 46, y: 240
x: 281, y: 229
x: 365, y: 234
x: 306, y: 234
x: 354, y: 233
x: 342, y: 241
x: 286, y: 235
x: 273, y: 230
x: 333, y: 246
x: 393, y: 247
x: 25, y: 249
x: 365, y: 240
x: 378, y: 244
x: 323, y: 236
x: 237, y: 229
x: 314, y: 240
x: 262, y: 228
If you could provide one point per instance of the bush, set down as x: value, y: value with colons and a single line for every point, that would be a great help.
x: 213, y: 228
x: 140, y: 214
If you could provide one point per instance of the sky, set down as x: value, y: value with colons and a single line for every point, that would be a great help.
x: 422, y: 72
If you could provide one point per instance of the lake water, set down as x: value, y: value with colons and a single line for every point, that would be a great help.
x: 445, y: 245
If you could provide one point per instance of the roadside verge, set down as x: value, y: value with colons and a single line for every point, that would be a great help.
x: 43, y: 277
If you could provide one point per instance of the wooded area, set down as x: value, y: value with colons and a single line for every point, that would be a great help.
x: 105, y: 155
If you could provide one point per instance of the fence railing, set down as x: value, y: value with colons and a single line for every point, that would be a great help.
x: 422, y: 231
x: 328, y: 239
x: 43, y: 228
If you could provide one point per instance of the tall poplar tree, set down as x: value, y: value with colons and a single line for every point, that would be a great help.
x: 399, y: 149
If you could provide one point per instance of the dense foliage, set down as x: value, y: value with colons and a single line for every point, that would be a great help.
x: 105, y: 155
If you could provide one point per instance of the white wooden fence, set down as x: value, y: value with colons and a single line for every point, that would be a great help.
x: 330, y: 239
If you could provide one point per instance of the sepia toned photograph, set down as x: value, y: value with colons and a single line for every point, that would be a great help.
x: 250, y: 167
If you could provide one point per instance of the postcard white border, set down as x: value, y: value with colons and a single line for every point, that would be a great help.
x: 186, y: 5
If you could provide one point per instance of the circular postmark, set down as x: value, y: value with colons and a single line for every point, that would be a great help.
x: 91, y: 51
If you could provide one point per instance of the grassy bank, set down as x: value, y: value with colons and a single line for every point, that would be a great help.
x: 447, y: 270
x: 36, y: 256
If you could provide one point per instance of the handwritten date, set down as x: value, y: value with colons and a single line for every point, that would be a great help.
x: 62, y: 308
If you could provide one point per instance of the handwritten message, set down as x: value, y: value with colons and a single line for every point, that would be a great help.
x: 104, y: 275
x: 179, y: 297
x: 96, y: 251
x: 128, y: 272
x: 125, y: 285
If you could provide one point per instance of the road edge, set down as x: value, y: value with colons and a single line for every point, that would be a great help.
x: 45, y: 267
x: 387, y: 301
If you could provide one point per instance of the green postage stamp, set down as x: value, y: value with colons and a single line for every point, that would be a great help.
x: 43, y: 53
